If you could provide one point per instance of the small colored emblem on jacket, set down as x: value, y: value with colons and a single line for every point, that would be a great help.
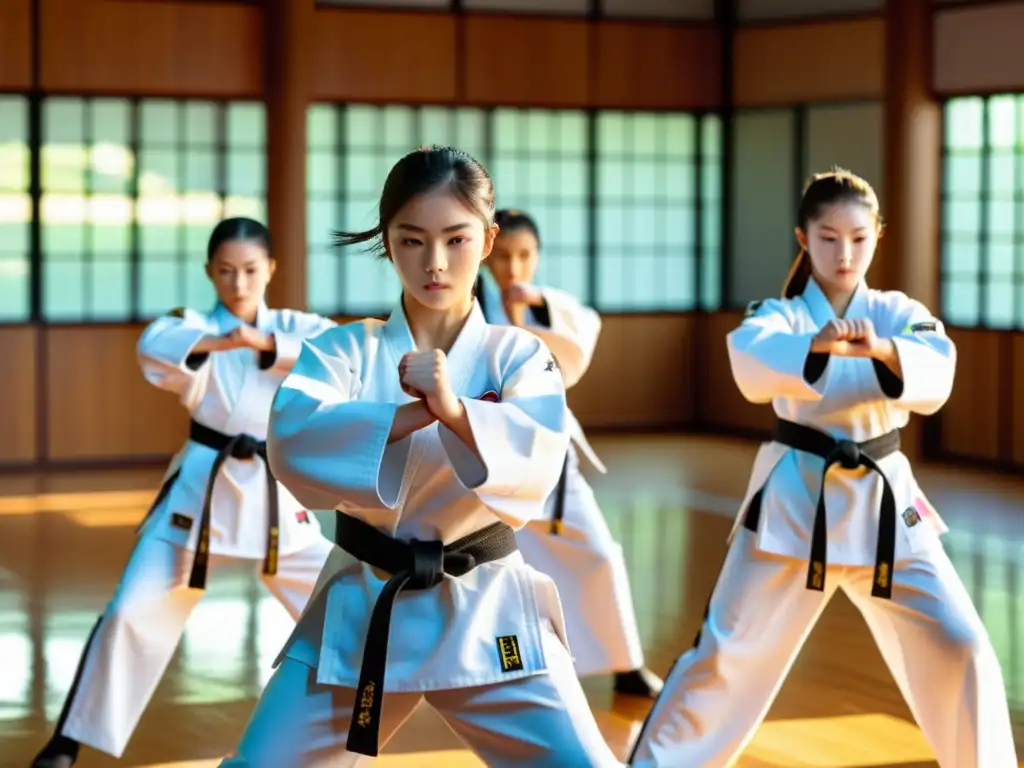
x: 490, y: 396
x: 925, y: 327
x: 911, y: 517
x: 302, y: 516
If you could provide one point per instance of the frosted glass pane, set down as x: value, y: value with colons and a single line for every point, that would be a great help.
x: 999, y: 309
x: 159, y: 122
x: 362, y: 126
x: 962, y: 174
x: 322, y: 127
x: 246, y: 125
x: 63, y: 288
x: 960, y: 301
x: 961, y: 256
x: 111, y: 287
x: 1002, y: 121
x: 964, y: 120
x: 763, y: 203
x: 201, y: 123
x: 14, y: 287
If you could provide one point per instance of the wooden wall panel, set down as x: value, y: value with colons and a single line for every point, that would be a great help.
x: 826, y: 61
x: 647, y: 66
x: 175, y: 49
x: 1018, y: 399
x: 15, y: 45
x: 970, y: 420
x: 641, y: 374
x: 20, y: 387
x: 394, y: 56
x: 99, y: 404
x: 977, y: 50
x: 726, y: 408
x: 526, y: 61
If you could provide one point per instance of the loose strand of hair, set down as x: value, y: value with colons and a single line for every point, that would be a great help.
x: 799, y: 275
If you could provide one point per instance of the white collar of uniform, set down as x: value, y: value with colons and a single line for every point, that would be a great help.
x: 462, y: 357
x: 821, y: 310
x: 227, y: 321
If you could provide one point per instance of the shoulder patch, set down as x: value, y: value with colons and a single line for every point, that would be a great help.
x: 752, y: 308
x: 177, y: 312
x: 925, y: 327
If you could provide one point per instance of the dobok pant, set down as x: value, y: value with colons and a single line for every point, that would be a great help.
x: 759, y: 616
x: 588, y: 568
x: 135, y: 637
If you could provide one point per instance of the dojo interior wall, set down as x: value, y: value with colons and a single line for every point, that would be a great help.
x: 807, y: 93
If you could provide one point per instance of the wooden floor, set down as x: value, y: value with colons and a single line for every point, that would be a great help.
x: 65, y: 538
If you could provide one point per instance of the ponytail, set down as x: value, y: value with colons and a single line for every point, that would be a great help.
x: 799, y: 274
x: 343, y: 239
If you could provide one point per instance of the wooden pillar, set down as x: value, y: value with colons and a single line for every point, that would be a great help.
x: 909, y: 257
x: 288, y: 33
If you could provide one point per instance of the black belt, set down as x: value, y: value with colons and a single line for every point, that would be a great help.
x: 558, y: 516
x: 236, y: 447
x: 849, y: 455
x: 414, y: 565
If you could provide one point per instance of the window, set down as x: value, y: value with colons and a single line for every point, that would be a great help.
x: 711, y: 213
x: 131, y: 190
x: 539, y: 165
x: 648, y: 185
x: 630, y: 222
x: 350, y: 151
x: 15, y: 210
x: 983, y: 212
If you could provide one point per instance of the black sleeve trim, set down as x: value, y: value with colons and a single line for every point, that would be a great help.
x: 891, y: 384
x: 814, y: 366
x: 542, y: 315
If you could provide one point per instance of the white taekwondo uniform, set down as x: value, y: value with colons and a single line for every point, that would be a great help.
x: 573, y: 544
x: 227, y: 394
x: 485, y: 645
x: 766, y: 601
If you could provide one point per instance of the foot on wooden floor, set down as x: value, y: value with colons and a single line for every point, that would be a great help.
x: 639, y: 682
x: 61, y: 752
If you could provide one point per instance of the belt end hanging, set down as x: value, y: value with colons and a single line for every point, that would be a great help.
x: 882, y: 584
x: 816, y: 576
x: 364, y: 731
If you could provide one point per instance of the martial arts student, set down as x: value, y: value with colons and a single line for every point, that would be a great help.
x: 832, y: 502
x: 434, y: 435
x: 218, y: 501
x: 572, y: 544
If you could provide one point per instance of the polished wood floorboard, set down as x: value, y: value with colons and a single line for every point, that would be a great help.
x: 64, y: 539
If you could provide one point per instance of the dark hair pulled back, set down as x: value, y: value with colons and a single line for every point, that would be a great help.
x: 238, y: 228
x: 420, y: 172
x: 822, y: 190
x: 511, y: 220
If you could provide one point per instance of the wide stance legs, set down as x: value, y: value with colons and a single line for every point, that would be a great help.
x: 543, y: 721
x: 135, y: 638
x: 759, y: 617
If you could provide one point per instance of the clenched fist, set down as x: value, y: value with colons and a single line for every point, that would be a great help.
x: 850, y: 338
x: 424, y: 375
x: 247, y: 336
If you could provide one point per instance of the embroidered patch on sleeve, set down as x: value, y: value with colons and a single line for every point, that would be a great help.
x: 911, y: 517
x: 551, y: 364
x: 508, y: 653
x: 752, y: 308
x: 181, y: 521
x: 302, y: 516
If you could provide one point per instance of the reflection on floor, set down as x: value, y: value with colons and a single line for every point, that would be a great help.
x: 65, y: 538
